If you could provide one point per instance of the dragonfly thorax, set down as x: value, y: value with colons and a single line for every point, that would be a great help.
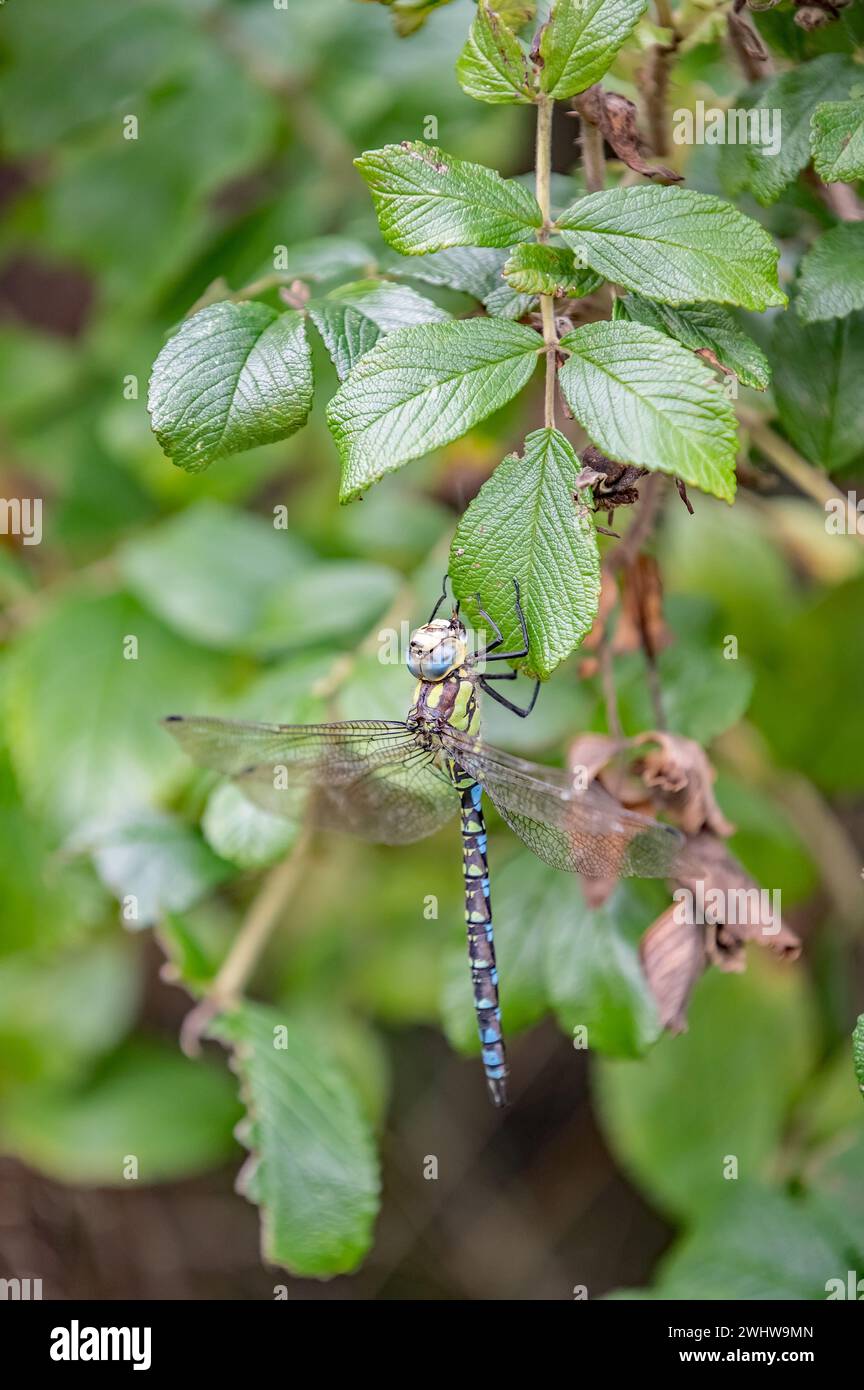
x: 437, y: 649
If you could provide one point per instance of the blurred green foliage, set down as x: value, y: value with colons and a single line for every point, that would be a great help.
x: 248, y: 119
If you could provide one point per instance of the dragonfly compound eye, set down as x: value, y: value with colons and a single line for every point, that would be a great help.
x: 434, y: 652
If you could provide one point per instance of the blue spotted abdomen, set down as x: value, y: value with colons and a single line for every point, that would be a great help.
x: 481, y: 947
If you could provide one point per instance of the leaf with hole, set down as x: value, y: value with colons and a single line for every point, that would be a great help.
x: 427, y: 201
x: 493, y: 66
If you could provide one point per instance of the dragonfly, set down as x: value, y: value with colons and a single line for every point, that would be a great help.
x: 397, y: 781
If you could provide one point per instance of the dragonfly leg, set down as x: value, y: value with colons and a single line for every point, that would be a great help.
x: 481, y: 948
x: 510, y: 656
x: 508, y: 704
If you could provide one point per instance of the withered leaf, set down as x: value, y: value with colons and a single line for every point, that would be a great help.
x: 681, y: 779
x: 673, y: 957
x: 615, y: 116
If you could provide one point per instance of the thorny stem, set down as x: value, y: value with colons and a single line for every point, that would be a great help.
x: 258, y: 925
x: 543, y: 176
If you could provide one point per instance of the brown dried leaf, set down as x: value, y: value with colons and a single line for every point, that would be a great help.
x: 681, y: 779
x: 673, y: 957
x: 641, y: 625
x: 615, y: 116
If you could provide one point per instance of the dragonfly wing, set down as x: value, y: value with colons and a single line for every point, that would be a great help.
x: 584, y: 832
x: 370, y: 778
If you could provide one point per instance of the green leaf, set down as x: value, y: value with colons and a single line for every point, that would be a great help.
x: 644, y: 400
x: 581, y: 41
x: 210, y: 571
x: 83, y: 719
x: 754, y: 1243
x: 723, y: 1088
x: 146, y: 1102
x: 795, y: 94
x: 427, y: 201
x: 535, y: 269
x: 834, y: 1192
x: 423, y: 387
x: 243, y: 833
x: 493, y: 66
x: 88, y: 996
x: 837, y: 140
x: 313, y: 1170
x: 675, y: 245
x: 236, y: 375
x: 158, y: 861
x: 336, y: 600
x: 524, y: 524
x: 594, y: 976
x: 858, y: 1052
x: 818, y: 369
x: 831, y: 275
x: 475, y: 270
x: 705, y: 328
x: 52, y: 92
x: 703, y: 693
x: 352, y: 318
x: 45, y: 903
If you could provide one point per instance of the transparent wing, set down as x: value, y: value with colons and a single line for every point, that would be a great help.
x: 370, y: 778
x: 585, y: 832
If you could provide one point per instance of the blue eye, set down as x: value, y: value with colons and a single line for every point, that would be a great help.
x: 434, y: 665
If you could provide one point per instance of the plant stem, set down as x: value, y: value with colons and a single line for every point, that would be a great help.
x: 790, y: 463
x: 264, y: 913
x: 543, y: 177
x: 593, y: 158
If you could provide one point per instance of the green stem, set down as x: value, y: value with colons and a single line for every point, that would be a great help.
x: 543, y: 175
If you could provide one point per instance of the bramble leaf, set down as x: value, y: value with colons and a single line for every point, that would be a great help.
x: 493, y: 66
x: 312, y: 1168
x: 706, y: 328
x: 524, y: 524
x: 353, y: 317
x: 674, y: 245
x: 420, y: 388
x: 831, y: 275
x: 234, y: 376
x: 766, y: 170
x: 535, y: 269
x: 837, y: 140
x: 581, y: 40
x: 645, y: 400
x: 818, y: 369
x: 427, y: 201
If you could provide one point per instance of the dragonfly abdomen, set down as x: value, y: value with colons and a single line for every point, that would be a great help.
x: 481, y: 946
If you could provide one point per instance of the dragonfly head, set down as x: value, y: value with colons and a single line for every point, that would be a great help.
x: 437, y: 648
